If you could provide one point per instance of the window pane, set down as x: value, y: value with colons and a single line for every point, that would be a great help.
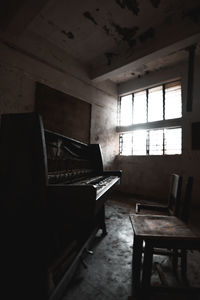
x: 139, y: 142
x: 139, y: 108
x: 173, y: 103
x: 173, y: 141
x: 155, y: 104
x: 126, y: 144
x: 126, y: 110
x: 156, y: 142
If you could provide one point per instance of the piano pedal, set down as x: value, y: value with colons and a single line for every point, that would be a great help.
x: 89, y: 251
x: 84, y: 263
x: 104, y: 232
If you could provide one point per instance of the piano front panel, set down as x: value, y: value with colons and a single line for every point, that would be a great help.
x: 53, y: 188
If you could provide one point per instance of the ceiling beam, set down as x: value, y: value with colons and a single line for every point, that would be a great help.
x: 141, y: 60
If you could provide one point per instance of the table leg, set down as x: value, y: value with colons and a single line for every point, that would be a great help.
x: 136, y: 263
x: 147, y: 266
x: 184, y: 263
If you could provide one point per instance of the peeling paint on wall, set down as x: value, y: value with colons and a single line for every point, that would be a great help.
x: 109, y: 56
x: 121, y: 3
x: 127, y: 34
x: 132, y: 5
x: 88, y: 16
x: 69, y: 34
x: 148, y: 34
x: 106, y: 29
x: 155, y: 3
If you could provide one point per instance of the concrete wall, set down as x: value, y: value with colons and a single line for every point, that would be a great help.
x: 36, y: 60
x: 149, y: 175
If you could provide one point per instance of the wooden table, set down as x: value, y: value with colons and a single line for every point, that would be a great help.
x: 157, y: 232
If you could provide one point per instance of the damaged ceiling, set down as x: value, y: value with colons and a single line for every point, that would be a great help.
x: 113, y: 39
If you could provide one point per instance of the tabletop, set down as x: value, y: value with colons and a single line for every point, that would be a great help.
x: 162, y: 227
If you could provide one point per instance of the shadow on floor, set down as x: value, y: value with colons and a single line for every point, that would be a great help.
x: 108, y: 272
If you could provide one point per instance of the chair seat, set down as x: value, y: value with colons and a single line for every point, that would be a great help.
x: 157, y: 232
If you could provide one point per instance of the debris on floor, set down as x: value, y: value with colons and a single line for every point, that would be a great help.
x: 106, y: 275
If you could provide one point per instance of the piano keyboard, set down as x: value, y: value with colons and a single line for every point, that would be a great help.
x: 101, y: 183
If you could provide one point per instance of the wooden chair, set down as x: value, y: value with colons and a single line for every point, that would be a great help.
x: 185, y: 218
x: 172, y: 207
x: 187, y: 199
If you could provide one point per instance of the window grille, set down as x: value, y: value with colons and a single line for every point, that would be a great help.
x: 150, y: 121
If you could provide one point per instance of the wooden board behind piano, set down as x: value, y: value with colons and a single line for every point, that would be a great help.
x: 63, y: 113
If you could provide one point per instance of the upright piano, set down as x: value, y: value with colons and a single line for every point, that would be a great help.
x: 53, y: 191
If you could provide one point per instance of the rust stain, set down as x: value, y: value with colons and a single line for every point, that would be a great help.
x: 88, y: 16
x: 132, y: 5
x: 148, y: 34
x: 155, y: 3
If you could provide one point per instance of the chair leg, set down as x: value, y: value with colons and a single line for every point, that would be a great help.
x: 137, y: 208
x: 147, y: 266
x: 136, y: 264
x: 175, y: 260
x: 183, y: 263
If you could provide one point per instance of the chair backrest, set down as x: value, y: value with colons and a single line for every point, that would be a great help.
x: 186, y: 201
x: 174, y: 194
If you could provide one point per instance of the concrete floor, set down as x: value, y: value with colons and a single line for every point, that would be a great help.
x: 108, y: 275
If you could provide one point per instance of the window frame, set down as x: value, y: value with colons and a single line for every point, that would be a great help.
x: 152, y: 125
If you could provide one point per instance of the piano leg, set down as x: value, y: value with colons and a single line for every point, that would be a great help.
x: 102, y: 221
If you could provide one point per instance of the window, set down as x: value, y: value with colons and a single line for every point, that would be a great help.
x: 150, y: 121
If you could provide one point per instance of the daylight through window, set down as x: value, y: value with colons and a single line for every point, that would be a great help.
x: 150, y: 121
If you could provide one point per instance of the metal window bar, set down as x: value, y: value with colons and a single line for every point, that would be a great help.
x: 132, y: 144
x: 120, y: 111
x: 148, y: 131
x: 147, y: 142
x: 120, y: 143
x: 163, y: 87
x: 147, y: 138
x: 147, y: 99
x: 163, y: 142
